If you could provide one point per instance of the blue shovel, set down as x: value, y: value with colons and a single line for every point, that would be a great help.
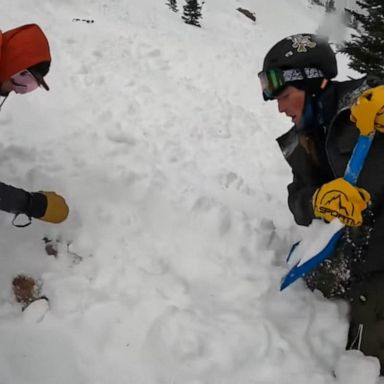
x: 355, y: 165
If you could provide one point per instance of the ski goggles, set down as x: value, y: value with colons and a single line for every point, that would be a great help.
x: 273, y: 81
x: 24, y: 82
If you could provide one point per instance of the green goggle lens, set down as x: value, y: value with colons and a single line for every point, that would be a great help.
x: 272, y: 81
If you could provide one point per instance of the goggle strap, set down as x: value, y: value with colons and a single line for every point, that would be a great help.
x: 302, y: 74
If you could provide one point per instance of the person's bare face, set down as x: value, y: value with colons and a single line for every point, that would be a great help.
x: 291, y: 102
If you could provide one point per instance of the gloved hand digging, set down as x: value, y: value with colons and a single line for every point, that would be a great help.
x: 368, y: 111
x: 340, y: 199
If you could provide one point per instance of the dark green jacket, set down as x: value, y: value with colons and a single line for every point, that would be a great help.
x: 361, y: 251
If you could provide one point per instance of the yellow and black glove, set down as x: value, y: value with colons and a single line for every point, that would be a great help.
x: 368, y: 111
x: 47, y: 206
x: 340, y: 199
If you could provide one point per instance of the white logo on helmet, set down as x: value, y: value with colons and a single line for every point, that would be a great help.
x: 302, y: 42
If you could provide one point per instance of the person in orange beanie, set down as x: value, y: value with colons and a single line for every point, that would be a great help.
x: 24, y: 61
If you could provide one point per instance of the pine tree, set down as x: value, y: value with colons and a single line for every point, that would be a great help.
x: 330, y: 6
x: 172, y: 4
x: 349, y: 19
x: 366, y: 49
x: 192, y: 12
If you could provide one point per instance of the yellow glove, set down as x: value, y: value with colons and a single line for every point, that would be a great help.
x: 47, y: 206
x: 368, y: 111
x: 340, y: 199
x: 57, y: 209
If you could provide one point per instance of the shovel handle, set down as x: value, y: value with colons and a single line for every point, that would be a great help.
x: 357, y: 160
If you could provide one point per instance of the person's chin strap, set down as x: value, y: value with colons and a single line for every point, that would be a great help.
x: 3, y: 101
x: 313, y: 108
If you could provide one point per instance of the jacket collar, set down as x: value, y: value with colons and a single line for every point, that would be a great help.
x: 337, y: 97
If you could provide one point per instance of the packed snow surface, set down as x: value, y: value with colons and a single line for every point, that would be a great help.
x: 169, y: 265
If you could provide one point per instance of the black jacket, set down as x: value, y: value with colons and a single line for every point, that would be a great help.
x: 322, y: 156
x: 19, y: 201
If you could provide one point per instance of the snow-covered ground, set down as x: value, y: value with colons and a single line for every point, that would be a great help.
x: 169, y: 264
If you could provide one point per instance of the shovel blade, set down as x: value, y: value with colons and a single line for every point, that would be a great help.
x: 300, y: 269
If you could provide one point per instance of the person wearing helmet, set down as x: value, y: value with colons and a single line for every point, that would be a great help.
x: 297, y: 73
x: 24, y: 61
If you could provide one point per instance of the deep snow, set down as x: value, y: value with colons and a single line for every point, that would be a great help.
x: 169, y: 265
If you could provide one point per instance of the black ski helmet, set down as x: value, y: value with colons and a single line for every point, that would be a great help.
x: 302, y: 51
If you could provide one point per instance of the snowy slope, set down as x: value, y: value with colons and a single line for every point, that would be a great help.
x: 169, y: 264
